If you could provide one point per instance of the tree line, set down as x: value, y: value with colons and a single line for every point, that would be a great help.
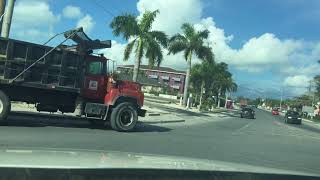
x: 143, y: 41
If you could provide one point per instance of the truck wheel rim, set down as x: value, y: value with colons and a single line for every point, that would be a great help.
x: 1, y: 106
x: 126, y: 118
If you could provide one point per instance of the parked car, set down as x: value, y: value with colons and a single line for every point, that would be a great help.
x: 292, y: 117
x: 275, y: 111
x: 247, y: 113
x: 243, y: 106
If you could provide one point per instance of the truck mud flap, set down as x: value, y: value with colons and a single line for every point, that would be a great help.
x: 142, y: 112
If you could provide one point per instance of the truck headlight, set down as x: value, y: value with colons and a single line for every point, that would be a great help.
x: 289, y: 117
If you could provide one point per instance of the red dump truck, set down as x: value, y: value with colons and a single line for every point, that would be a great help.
x: 67, y: 79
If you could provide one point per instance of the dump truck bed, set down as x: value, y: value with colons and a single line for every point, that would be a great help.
x: 60, y: 70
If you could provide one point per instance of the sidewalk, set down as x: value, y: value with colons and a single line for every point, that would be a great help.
x: 213, y: 113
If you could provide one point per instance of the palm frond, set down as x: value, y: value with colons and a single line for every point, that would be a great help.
x: 125, y: 25
x: 203, y: 34
x: 160, y: 37
x: 177, y: 46
x: 188, y: 30
x: 154, y: 53
x: 147, y: 20
x: 186, y: 53
x: 204, y: 53
x: 128, y: 50
x: 140, y: 49
x: 177, y: 37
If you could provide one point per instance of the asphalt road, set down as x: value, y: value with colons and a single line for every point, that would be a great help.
x: 264, y: 141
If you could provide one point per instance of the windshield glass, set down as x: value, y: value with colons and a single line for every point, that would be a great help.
x: 95, y: 68
x: 293, y: 113
x: 221, y: 80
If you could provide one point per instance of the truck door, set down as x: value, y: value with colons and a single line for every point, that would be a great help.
x: 95, y: 80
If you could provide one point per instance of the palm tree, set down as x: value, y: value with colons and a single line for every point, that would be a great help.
x: 201, y: 77
x: 222, y: 80
x: 146, y: 42
x: 230, y: 86
x: 191, y: 42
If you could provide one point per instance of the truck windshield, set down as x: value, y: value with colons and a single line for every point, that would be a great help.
x: 95, y: 68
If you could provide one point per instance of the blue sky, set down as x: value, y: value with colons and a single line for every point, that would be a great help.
x: 268, y: 44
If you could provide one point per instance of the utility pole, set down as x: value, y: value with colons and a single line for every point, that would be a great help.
x: 7, y: 19
x: 313, y: 92
x: 2, y: 7
x: 281, y: 98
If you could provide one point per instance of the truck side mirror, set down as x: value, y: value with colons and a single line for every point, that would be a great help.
x: 114, y: 84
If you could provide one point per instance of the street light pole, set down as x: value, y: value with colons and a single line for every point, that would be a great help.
x: 281, y: 98
x: 2, y: 7
x: 7, y: 19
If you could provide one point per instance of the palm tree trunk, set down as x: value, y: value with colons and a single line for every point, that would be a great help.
x: 186, y: 83
x: 225, y: 104
x: 137, y: 63
x: 201, y: 93
x: 195, y: 99
x: 219, y: 93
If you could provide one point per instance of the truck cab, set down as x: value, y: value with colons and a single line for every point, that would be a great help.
x: 107, y: 98
x: 102, y: 95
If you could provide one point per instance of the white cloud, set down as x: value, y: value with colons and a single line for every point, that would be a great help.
x: 116, y: 53
x: 87, y: 23
x: 266, y: 49
x: 296, y: 84
x: 297, y: 81
x: 310, y: 70
x: 34, y: 13
x: 173, y: 13
x: 33, y: 20
x: 71, y: 12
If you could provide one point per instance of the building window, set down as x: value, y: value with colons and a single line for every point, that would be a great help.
x: 175, y: 86
x: 176, y: 79
x: 153, y: 76
x: 165, y: 78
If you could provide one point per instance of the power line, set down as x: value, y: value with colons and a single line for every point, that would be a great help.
x: 103, y: 8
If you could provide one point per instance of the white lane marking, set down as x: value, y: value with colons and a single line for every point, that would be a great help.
x: 18, y: 151
x: 242, y: 128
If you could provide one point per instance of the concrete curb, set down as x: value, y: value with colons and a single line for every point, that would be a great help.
x: 157, y: 101
x: 307, y: 120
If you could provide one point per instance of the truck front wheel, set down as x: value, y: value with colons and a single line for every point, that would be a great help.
x: 124, y: 117
x: 5, y: 106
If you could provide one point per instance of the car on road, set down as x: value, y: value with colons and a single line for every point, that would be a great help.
x: 247, y: 113
x: 275, y: 111
x: 292, y: 117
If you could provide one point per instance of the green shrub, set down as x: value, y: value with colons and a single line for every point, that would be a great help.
x: 153, y: 91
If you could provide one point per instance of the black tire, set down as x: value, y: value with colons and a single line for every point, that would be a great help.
x: 5, y: 107
x: 241, y: 116
x: 124, y: 117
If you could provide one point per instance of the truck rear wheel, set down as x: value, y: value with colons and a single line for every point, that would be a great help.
x: 5, y: 106
x: 124, y: 117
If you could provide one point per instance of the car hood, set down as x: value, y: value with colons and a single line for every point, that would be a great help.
x: 88, y: 159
